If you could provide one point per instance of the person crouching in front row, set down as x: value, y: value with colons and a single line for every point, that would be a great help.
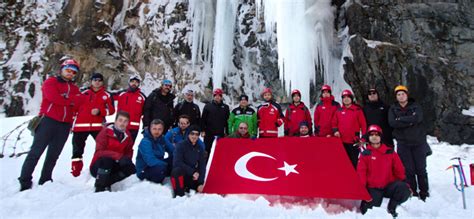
x: 154, y: 157
x: 112, y: 161
x: 381, y: 171
x: 189, y: 164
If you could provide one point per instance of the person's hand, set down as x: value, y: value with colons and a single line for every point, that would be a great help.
x: 95, y: 111
x: 337, y: 134
x: 203, y: 134
x: 199, y: 188
x: 196, y: 176
x: 328, y: 136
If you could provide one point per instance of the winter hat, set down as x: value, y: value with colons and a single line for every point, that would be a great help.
x: 97, y: 75
x: 167, y: 82
x: 218, y: 91
x: 194, y: 128
x: 135, y: 77
x: 70, y: 64
x: 189, y: 91
x: 295, y: 91
x: 326, y: 87
x: 244, y: 97
x: 304, y: 123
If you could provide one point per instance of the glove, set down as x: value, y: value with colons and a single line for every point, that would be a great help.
x: 76, y: 167
x: 279, y: 122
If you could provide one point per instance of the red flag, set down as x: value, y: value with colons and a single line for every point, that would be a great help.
x: 310, y: 167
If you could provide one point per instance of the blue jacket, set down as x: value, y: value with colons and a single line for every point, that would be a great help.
x: 190, y: 158
x: 175, y: 136
x: 151, y: 152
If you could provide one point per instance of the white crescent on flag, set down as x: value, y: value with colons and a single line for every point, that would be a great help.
x: 241, y: 167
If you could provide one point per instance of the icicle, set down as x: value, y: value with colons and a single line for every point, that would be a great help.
x: 203, y: 20
x: 226, y: 14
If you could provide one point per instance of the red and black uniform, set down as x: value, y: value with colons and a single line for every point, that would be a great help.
x: 59, y: 104
x: 323, y: 115
x: 350, y: 123
x: 294, y: 115
x: 112, y: 159
x: 382, y: 172
x: 87, y: 124
x: 132, y: 101
x: 270, y: 117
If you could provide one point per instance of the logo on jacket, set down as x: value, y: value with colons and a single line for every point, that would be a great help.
x: 104, y: 97
x: 139, y: 98
x: 238, y: 111
x: 374, y: 158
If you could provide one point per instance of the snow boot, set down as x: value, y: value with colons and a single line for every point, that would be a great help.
x: 424, y: 195
x: 363, y: 207
x: 391, y: 208
x: 102, y: 181
x: 25, y: 185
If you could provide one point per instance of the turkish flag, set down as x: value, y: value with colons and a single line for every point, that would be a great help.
x: 292, y: 166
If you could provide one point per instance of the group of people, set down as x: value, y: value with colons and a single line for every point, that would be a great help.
x: 171, y: 146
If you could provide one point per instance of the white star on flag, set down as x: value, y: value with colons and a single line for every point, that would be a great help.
x: 288, y: 168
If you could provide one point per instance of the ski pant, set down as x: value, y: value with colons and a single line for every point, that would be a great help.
x: 52, y: 134
x: 181, y: 182
x: 398, y: 192
x: 353, y: 153
x: 108, y: 171
x: 414, y: 160
x: 157, y: 173
x: 79, y: 142
x: 209, y: 139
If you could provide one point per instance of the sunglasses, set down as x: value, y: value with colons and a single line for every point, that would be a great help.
x: 194, y: 133
x: 243, y: 128
x: 167, y: 85
x: 70, y: 71
x: 97, y: 79
x: 372, y: 93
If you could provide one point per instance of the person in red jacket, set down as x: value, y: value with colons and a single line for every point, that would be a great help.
x: 112, y: 161
x: 132, y: 101
x: 296, y: 113
x: 269, y: 116
x: 348, y: 123
x: 96, y: 104
x: 324, y: 113
x: 381, y: 171
x: 59, y: 104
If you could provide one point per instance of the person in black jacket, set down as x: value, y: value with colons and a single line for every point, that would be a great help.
x: 188, y: 107
x: 376, y: 113
x: 159, y: 105
x: 189, y: 164
x: 214, y: 119
x: 406, y: 118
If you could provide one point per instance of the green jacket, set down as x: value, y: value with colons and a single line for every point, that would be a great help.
x: 247, y: 115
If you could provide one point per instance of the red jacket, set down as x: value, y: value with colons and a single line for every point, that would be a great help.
x: 101, y: 100
x: 107, y: 145
x: 294, y: 115
x: 270, y: 117
x: 60, y: 99
x: 349, y: 122
x: 132, y: 102
x: 379, y: 167
x: 323, y: 115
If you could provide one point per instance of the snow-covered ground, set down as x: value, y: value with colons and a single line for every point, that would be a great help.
x: 74, y: 197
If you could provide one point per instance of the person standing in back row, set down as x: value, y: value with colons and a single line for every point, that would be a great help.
x: 132, y: 101
x: 214, y: 119
x: 159, y: 105
x: 269, y: 116
x: 406, y: 118
x: 243, y: 113
x: 58, y: 106
x: 324, y: 113
x: 96, y: 104
x: 296, y: 113
x: 188, y: 107
x: 376, y: 113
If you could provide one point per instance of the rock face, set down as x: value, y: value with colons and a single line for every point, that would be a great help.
x: 426, y: 45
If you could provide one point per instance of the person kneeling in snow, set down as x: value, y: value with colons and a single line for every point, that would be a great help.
x: 189, y: 164
x: 154, y: 157
x: 381, y: 171
x: 112, y: 161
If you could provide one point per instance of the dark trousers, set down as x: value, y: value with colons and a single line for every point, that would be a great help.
x: 154, y: 174
x: 108, y: 171
x: 52, y: 134
x: 181, y: 182
x: 414, y: 159
x: 353, y: 153
x: 209, y: 139
x: 398, y: 192
x: 79, y: 142
x: 134, y: 133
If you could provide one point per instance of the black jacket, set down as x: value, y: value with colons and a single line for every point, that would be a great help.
x: 190, y: 158
x: 214, y: 118
x: 188, y: 108
x: 376, y: 113
x: 407, y: 123
x: 158, y: 106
